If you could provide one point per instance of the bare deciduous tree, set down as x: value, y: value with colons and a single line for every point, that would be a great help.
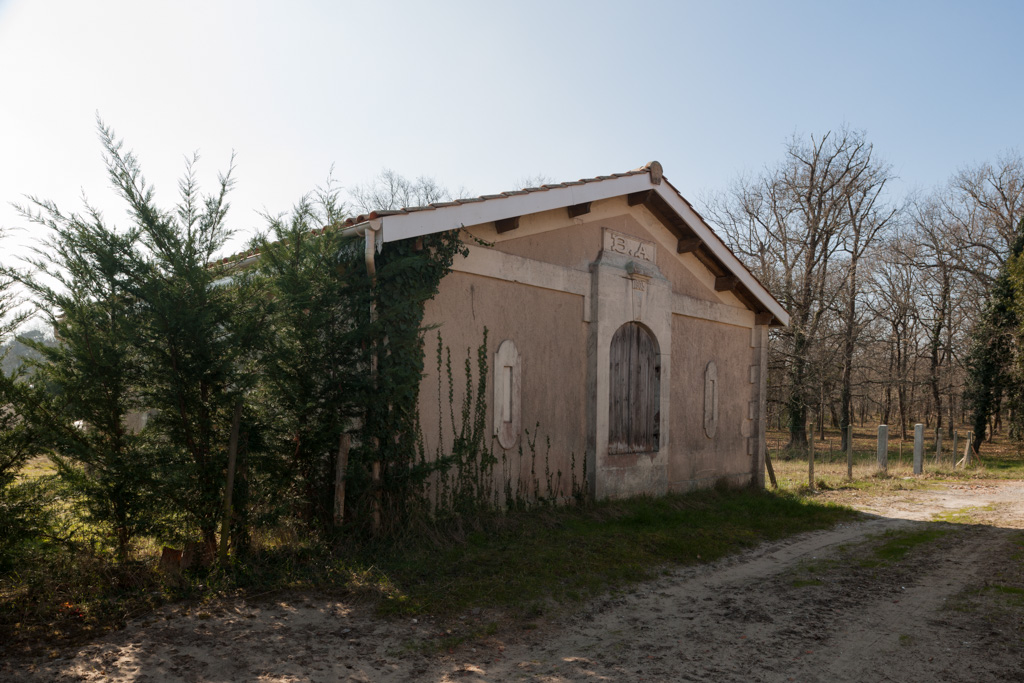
x: 982, y: 206
x: 868, y: 216
x: 893, y: 281
x: 535, y: 180
x: 802, y: 227
x: 390, y: 191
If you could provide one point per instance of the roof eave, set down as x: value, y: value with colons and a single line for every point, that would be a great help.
x: 400, y: 226
x: 407, y: 224
x: 717, y: 247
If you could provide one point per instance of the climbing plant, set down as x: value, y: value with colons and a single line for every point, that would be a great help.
x: 409, y: 273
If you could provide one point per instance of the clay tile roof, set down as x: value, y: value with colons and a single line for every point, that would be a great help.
x: 509, y: 193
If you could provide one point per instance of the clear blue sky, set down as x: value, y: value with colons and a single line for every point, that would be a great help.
x: 480, y: 94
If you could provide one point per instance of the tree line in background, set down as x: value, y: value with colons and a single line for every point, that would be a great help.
x: 901, y: 311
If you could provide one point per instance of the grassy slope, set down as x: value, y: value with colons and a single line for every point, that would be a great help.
x: 533, y: 559
x: 521, y: 563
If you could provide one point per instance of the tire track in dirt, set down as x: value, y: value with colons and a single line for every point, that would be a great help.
x: 911, y: 637
x: 801, y: 609
x: 749, y: 619
x: 702, y: 623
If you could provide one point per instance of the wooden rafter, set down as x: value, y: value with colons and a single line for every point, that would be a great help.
x: 635, y: 198
x: 688, y: 245
x: 579, y: 209
x: 506, y: 224
x: 726, y: 283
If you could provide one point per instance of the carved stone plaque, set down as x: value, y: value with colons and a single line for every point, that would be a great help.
x: 619, y: 243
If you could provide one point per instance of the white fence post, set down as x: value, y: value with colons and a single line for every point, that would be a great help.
x: 918, y: 448
x: 883, y: 447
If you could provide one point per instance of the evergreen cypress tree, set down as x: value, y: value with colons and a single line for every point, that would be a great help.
x: 21, y: 515
x: 144, y: 321
x: 198, y: 325
x: 994, y: 378
x: 314, y: 362
x: 91, y: 373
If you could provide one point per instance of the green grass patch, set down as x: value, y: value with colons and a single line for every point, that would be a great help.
x: 866, y: 556
x: 896, y: 544
x: 1002, y: 467
x: 1012, y: 595
x: 997, y: 596
x: 962, y: 515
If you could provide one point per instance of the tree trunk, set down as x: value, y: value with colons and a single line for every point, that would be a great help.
x: 229, y: 488
x: 935, y: 344
x: 951, y: 426
x: 849, y: 342
x: 796, y: 407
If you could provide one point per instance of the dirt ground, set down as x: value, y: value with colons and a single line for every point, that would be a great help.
x: 815, y: 607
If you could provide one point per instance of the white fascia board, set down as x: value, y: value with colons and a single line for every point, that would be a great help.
x: 718, y: 248
x: 429, y: 221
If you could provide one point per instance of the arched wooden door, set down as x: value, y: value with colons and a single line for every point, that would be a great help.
x: 635, y: 391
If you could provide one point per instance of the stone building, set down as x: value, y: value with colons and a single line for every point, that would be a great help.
x: 621, y: 331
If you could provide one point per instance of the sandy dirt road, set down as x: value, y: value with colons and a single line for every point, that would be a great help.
x: 816, y: 607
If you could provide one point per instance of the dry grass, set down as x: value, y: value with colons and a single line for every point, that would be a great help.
x: 38, y: 467
x: 1001, y: 458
